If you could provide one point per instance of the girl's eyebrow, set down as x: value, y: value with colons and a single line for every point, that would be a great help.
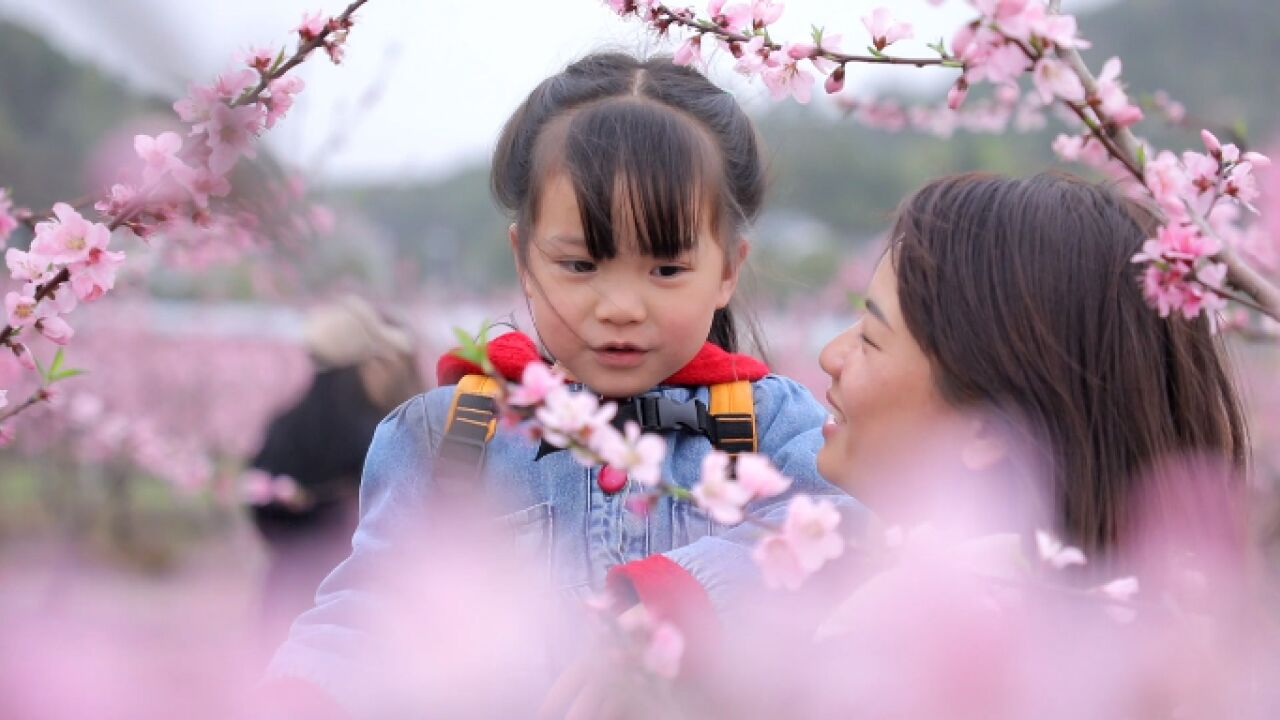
x: 573, y: 240
x: 874, y: 310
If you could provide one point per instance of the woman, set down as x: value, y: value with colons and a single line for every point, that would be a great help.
x: 1007, y: 315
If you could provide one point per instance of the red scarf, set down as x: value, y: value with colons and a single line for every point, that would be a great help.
x: 510, y: 353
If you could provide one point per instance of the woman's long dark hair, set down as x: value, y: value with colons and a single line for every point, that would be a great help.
x: 1023, y: 295
x: 663, y: 137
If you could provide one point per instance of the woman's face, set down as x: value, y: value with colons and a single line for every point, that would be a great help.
x: 883, y: 397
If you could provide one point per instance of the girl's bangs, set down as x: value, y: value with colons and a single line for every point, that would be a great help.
x: 642, y: 174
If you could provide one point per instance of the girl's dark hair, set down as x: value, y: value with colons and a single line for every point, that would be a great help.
x: 665, y: 139
x: 1023, y: 295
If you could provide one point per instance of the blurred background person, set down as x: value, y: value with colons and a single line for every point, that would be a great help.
x: 365, y: 365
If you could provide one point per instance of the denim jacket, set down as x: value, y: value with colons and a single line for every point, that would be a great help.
x: 556, y: 506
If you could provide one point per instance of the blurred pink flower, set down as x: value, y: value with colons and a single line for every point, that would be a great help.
x: 536, y: 382
x: 637, y: 454
x: 760, y: 477
x: 778, y: 563
x: 1054, y: 79
x: 789, y: 79
x: 231, y: 133
x: 7, y: 222
x: 1055, y: 553
x: 885, y: 29
x: 159, y: 154
x: 70, y: 238
x: 811, y: 530
x: 717, y: 494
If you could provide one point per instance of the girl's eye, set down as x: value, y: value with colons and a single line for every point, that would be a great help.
x: 669, y: 271
x: 578, y: 266
x: 867, y: 341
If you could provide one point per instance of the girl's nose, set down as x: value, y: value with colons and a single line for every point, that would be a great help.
x: 620, y: 306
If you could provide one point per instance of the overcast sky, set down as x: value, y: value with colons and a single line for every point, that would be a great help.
x: 426, y: 84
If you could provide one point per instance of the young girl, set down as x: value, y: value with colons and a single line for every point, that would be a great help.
x: 631, y: 184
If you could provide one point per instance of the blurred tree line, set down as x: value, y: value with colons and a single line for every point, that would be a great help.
x: 835, y: 182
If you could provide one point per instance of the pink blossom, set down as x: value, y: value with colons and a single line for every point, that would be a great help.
x: 956, y: 95
x: 6, y: 434
x: 55, y: 329
x: 885, y: 29
x: 754, y: 56
x: 7, y: 222
x: 1256, y: 159
x: 312, y: 25
x: 159, y: 154
x: 202, y: 183
x: 27, y: 267
x: 118, y: 202
x: 810, y: 529
x: 663, y: 644
x: 23, y: 353
x: 568, y: 416
x: 537, y: 380
x: 1241, y: 184
x: 760, y: 477
x: 1122, y: 589
x: 1212, y: 275
x: 1211, y: 144
x: 689, y: 52
x: 718, y: 495
x: 1201, y: 171
x: 1112, y: 99
x: 789, y: 79
x: 96, y: 275
x: 279, y: 97
x: 197, y: 107
x: 1054, y: 79
x: 231, y: 85
x: 70, y: 238
x: 231, y: 134
x: 734, y: 17
x: 259, y: 58
x: 999, y: 9
x: 766, y: 12
x: 637, y: 454
x: 1174, y: 110
x: 779, y: 566
x: 1055, y: 553
x: 835, y: 81
x: 1068, y: 147
x: 1168, y: 182
x: 1005, y: 63
x: 22, y: 310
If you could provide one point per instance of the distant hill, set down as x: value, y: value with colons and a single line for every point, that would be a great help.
x: 835, y: 183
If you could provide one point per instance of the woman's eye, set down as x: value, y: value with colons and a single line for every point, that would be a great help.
x: 867, y: 341
x: 578, y: 266
x: 668, y: 271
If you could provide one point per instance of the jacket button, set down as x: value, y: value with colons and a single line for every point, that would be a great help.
x: 611, y: 479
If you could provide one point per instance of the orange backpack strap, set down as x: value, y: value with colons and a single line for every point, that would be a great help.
x: 473, y: 418
x: 734, y: 409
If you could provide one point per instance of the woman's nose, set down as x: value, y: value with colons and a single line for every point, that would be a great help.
x: 831, y: 359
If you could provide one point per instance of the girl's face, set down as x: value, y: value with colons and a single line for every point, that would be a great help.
x: 883, y: 397
x: 623, y: 325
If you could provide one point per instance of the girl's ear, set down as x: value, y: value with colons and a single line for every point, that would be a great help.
x: 732, y: 269
x: 513, y: 237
